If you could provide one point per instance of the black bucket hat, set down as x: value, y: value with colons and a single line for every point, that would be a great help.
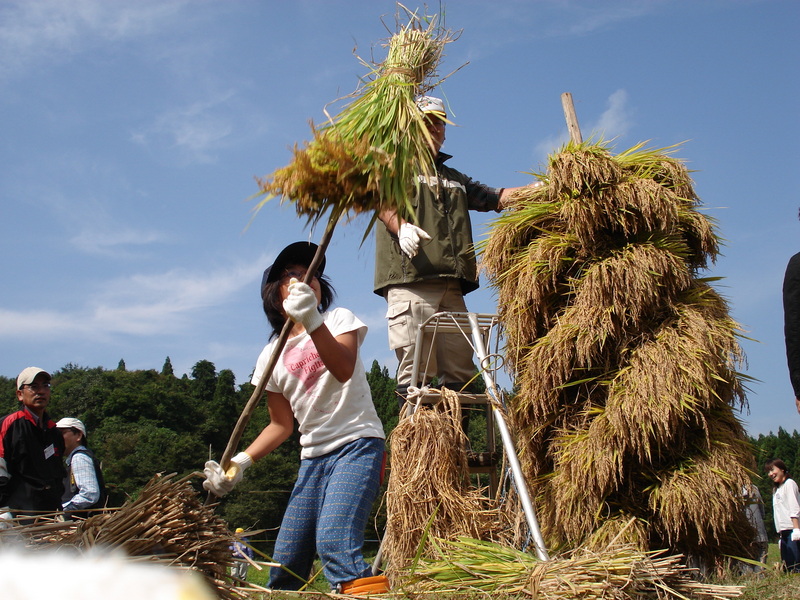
x: 298, y: 253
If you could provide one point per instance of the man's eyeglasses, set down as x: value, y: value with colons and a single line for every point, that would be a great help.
x: 37, y: 386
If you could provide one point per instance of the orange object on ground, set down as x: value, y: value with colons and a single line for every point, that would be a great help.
x: 366, y: 585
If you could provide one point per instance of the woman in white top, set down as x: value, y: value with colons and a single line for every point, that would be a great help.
x: 319, y: 380
x: 786, y: 511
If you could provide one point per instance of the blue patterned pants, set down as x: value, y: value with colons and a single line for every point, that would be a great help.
x: 327, y: 514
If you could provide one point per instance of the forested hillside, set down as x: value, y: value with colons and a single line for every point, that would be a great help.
x: 145, y: 422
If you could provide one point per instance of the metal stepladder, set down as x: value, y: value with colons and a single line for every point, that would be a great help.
x: 481, y: 332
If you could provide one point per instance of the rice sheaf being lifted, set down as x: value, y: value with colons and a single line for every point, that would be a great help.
x: 369, y: 155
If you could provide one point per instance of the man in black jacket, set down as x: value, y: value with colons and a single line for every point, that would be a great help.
x: 31, y: 451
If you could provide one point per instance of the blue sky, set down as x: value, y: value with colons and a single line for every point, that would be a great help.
x: 132, y: 132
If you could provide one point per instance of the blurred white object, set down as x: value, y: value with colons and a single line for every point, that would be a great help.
x: 95, y: 577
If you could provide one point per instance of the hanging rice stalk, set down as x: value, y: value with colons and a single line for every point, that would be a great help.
x: 619, y: 571
x: 429, y: 491
x: 369, y: 155
x: 625, y: 358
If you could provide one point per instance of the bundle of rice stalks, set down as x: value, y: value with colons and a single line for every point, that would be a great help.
x: 624, y: 357
x: 368, y: 156
x: 620, y: 572
x: 429, y: 492
x: 167, y: 524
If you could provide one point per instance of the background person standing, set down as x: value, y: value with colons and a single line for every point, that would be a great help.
x: 84, y: 487
x: 31, y: 451
x: 754, y: 510
x: 241, y: 552
x: 786, y: 511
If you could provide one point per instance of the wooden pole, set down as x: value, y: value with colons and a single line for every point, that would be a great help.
x: 572, y: 118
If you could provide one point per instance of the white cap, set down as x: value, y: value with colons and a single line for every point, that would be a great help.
x: 70, y: 423
x: 28, y: 375
x: 431, y: 104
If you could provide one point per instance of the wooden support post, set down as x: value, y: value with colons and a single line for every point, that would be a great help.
x: 572, y: 118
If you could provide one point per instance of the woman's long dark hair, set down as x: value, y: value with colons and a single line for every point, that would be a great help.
x: 273, y: 303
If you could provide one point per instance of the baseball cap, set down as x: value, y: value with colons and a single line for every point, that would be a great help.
x: 28, y: 374
x: 70, y: 423
x: 298, y: 253
x: 431, y: 104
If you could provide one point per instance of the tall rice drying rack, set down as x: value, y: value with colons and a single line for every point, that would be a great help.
x: 624, y: 357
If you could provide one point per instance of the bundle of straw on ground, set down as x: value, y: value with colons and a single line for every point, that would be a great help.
x: 429, y: 491
x: 167, y: 524
x: 625, y: 359
x: 619, y: 572
x: 368, y: 156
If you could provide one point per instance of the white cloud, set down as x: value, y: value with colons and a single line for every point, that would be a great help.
x: 587, y: 17
x: 615, y: 121
x: 196, y: 130
x: 112, y: 241
x: 22, y: 324
x: 34, y: 31
x: 141, y: 305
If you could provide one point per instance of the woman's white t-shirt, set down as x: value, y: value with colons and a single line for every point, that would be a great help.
x: 785, y: 505
x: 331, y: 414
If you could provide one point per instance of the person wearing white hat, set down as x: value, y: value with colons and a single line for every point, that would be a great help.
x: 84, y: 488
x: 428, y: 265
x: 31, y: 451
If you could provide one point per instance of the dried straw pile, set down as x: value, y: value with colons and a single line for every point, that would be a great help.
x: 167, y: 523
x: 369, y: 155
x: 624, y: 357
x: 429, y: 492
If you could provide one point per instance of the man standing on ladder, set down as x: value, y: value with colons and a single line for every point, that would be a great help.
x: 428, y: 266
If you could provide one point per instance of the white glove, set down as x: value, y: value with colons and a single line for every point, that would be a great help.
x: 409, y: 237
x: 220, y: 482
x: 4, y: 475
x: 5, y: 518
x: 795, y: 535
x: 301, y: 305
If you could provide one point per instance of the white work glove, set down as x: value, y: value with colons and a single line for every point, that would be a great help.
x: 6, y: 518
x: 4, y: 475
x: 409, y: 238
x: 220, y: 482
x: 796, y: 535
x: 301, y: 305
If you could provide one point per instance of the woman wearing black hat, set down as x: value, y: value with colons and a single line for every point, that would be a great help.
x: 320, y: 381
